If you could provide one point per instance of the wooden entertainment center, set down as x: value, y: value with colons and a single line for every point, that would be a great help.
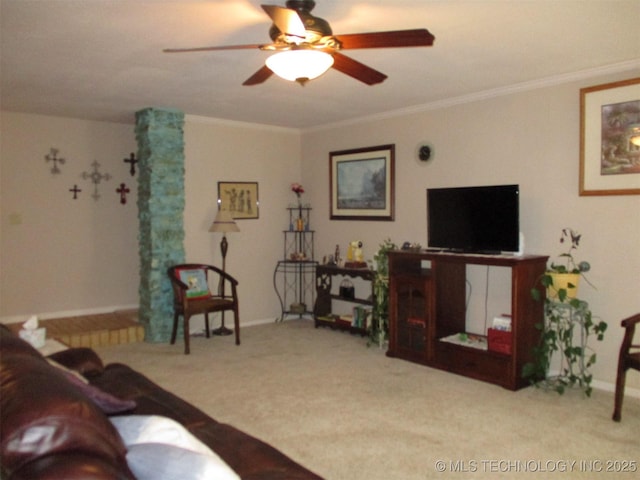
x: 427, y: 303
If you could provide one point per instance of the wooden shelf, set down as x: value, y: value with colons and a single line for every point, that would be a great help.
x: 338, y: 325
x: 426, y: 305
x: 325, y: 297
x: 351, y: 300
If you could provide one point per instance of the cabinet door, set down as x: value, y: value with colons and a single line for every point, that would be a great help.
x: 413, y: 317
x: 322, y: 306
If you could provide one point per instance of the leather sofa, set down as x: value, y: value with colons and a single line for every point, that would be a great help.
x: 51, y: 429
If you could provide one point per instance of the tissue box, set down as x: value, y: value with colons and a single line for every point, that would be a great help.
x: 35, y: 337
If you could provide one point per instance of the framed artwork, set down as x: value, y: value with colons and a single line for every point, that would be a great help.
x: 361, y: 183
x: 610, y: 139
x: 239, y: 198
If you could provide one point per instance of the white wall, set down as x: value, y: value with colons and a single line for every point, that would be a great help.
x: 59, y: 255
x: 75, y: 255
x: 80, y: 256
x: 228, y: 152
x: 530, y: 138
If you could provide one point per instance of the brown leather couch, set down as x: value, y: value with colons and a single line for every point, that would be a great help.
x: 49, y: 428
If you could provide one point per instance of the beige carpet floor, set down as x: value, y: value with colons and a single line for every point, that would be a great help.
x: 346, y: 411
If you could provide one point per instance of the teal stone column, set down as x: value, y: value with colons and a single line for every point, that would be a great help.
x: 160, y: 137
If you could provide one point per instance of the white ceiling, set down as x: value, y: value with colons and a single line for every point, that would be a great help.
x: 103, y: 59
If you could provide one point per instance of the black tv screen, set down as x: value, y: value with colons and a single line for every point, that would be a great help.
x: 482, y: 219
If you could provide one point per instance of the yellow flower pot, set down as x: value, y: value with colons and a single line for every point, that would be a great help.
x: 566, y: 281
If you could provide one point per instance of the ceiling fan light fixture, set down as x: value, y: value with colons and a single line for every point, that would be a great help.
x: 300, y: 65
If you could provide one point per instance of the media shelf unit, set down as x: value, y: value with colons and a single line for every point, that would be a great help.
x: 324, y: 296
x: 427, y: 295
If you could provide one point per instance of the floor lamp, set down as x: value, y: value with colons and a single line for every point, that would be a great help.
x: 223, y: 223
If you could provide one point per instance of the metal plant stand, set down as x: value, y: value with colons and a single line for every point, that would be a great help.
x: 294, y: 276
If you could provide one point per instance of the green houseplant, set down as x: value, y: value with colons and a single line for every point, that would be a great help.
x: 562, y: 279
x: 379, y: 331
x: 568, y: 324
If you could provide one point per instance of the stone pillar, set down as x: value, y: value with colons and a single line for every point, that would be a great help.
x: 159, y: 133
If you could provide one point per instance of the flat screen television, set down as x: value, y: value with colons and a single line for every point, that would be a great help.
x: 480, y: 219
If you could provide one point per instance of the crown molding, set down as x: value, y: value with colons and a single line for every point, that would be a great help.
x: 237, y: 124
x: 487, y: 94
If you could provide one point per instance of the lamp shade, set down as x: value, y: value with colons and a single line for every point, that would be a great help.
x: 224, y: 223
x: 299, y: 65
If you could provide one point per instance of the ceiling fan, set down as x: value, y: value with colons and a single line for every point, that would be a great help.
x: 304, y: 46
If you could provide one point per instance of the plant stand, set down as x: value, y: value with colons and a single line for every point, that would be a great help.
x: 567, y: 328
x: 294, y: 275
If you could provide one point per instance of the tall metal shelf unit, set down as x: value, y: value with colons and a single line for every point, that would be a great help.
x: 294, y: 276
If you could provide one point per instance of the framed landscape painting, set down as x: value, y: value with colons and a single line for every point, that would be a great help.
x: 610, y: 139
x: 361, y: 183
x: 239, y: 198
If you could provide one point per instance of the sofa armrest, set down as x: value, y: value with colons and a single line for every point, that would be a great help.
x: 43, y: 415
x: 72, y: 466
x: 83, y: 360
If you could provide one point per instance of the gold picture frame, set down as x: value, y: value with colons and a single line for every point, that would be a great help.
x: 239, y: 198
x: 609, y: 120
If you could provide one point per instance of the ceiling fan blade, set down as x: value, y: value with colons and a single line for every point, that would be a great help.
x: 420, y: 37
x: 210, y: 49
x: 287, y: 20
x: 357, y: 70
x: 260, y: 76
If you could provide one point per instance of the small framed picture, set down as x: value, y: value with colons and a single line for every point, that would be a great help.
x: 239, y: 198
x: 361, y: 183
x: 610, y: 139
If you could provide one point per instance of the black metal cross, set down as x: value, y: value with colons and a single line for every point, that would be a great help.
x: 75, y: 191
x: 132, y: 160
x: 123, y: 190
x: 52, y: 156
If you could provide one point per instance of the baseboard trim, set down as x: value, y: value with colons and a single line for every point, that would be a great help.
x: 199, y: 327
x: 611, y: 387
x: 67, y: 313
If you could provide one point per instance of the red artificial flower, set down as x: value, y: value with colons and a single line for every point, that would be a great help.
x: 297, y: 189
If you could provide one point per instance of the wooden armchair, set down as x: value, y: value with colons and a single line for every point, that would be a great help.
x: 626, y: 360
x: 192, y: 296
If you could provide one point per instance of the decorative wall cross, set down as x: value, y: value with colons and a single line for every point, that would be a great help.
x: 75, y: 191
x: 132, y: 160
x: 52, y: 156
x: 123, y: 190
x: 96, y: 177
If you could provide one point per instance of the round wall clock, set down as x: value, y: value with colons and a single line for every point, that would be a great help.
x: 424, y: 153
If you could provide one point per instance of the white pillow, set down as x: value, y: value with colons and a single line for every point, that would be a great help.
x: 159, y: 448
x: 159, y: 461
x: 135, y: 429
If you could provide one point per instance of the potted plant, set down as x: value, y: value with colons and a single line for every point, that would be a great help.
x: 561, y: 280
x: 568, y: 324
x: 380, y: 326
